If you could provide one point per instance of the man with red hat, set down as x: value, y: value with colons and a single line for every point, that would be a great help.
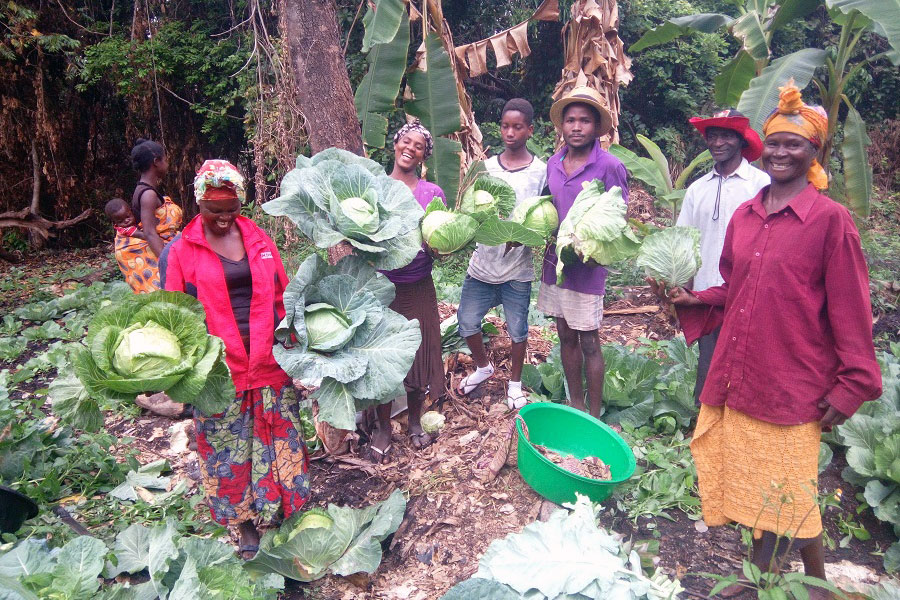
x: 711, y: 200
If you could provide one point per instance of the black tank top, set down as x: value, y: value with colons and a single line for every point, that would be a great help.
x: 240, y: 292
x: 139, y: 190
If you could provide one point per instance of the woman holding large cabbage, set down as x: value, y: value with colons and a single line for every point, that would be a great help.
x: 254, y: 459
x: 795, y: 353
x: 415, y: 299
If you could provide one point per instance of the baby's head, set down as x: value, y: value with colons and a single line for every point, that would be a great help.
x: 120, y: 213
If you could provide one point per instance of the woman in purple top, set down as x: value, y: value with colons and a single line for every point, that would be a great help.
x: 415, y: 299
x: 577, y: 305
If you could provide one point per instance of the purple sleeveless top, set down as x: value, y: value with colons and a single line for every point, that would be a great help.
x: 420, y: 266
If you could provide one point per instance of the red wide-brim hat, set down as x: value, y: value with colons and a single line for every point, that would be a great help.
x: 739, y: 124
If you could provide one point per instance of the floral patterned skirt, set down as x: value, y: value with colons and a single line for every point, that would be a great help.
x: 254, y: 463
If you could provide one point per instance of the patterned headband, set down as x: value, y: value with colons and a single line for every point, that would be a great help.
x: 416, y: 127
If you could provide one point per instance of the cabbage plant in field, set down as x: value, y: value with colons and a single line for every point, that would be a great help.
x: 595, y: 229
x: 446, y: 231
x: 339, y: 335
x: 148, y: 343
x: 337, y: 196
x: 487, y: 196
x: 671, y: 255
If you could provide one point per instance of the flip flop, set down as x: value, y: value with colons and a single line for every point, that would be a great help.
x: 254, y: 548
x: 515, y: 402
x: 416, y: 440
x: 377, y: 455
x: 465, y: 388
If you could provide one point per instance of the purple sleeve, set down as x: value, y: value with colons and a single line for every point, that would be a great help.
x: 618, y: 176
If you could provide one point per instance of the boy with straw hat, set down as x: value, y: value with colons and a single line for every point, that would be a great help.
x: 581, y: 116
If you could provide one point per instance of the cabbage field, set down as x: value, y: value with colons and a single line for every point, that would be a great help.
x: 122, y: 515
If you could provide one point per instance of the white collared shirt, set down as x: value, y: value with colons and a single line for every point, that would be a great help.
x: 699, y: 210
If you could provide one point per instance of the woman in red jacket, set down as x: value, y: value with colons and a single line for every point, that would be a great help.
x: 254, y: 459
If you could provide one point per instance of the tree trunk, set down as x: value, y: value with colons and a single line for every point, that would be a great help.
x: 320, y: 75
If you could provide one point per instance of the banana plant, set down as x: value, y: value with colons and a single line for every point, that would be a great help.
x: 751, y: 79
x: 656, y: 172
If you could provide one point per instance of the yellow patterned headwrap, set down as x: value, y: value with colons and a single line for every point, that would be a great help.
x: 810, y: 122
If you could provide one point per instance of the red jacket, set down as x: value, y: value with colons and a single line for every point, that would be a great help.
x: 195, y: 269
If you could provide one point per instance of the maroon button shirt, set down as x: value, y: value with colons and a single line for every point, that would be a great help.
x: 797, y: 320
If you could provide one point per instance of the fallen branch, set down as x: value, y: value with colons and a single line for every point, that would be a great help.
x: 632, y: 310
x: 25, y: 219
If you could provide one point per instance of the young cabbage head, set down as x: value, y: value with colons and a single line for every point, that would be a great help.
x: 537, y: 214
x: 446, y: 232
x: 327, y: 328
x: 146, y: 351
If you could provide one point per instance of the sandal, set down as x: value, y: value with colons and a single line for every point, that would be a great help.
x: 377, y: 455
x: 421, y: 440
x: 245, y: 548
x: 465, y: 388
x: 517, y: 401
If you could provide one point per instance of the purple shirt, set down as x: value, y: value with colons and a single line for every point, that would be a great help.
x: 420, y: 266
x: 603, y: 166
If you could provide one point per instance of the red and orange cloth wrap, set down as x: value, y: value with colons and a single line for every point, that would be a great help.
x: 219, y: 180
x: 810, y: 122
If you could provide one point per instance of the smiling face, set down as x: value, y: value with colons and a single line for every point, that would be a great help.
x: 409, y: 151
x: 515, y: 129
x: 218, y: 215
x: 579, y: 126
x: 786, y: 157
x: 724, y: 144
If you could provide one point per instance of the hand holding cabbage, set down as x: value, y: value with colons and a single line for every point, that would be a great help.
x: 595, y: 229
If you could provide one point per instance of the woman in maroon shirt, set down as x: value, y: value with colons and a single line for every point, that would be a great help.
x: 795, y: 354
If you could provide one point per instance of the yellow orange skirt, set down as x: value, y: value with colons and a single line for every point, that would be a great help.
x: 759, y: 474
x: 136, y: 260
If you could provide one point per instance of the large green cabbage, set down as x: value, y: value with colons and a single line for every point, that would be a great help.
x: 537, y: 214
x: 595, y: 228
x: 487, y: 196
x: 446, y: 231
x: 154, y: 343
x: 337, y: 196
x: 531, y: 223
x: 340, y: 336
x: 671, y: 255
x: 341, y: 541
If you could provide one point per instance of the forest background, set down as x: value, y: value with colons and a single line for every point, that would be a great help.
x: 82, y: 80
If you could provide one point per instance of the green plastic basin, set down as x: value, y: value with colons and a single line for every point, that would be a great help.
x: 569, y: 432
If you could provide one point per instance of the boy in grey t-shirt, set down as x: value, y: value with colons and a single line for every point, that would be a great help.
x: 498, y: 274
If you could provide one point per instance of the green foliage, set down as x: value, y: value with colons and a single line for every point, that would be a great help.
x: 314, y: 195
x: 671, y: 255
x: 343, y: 542
x: 369, y: 367
x: 446, y: 231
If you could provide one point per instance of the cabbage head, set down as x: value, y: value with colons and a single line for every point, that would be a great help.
x: 595, y: 228
x: 328, y: 328
x: 340, y: 541
x: 339, y: 336
x: 154, y: 343
x: 337, y: 196
x: 487, y: 196
x: 445, y: 231
x: 537, y: 214
x: 671, y: 255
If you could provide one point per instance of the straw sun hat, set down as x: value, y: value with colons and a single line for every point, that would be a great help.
x: 584, y: 95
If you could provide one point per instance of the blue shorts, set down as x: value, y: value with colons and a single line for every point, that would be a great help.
x: 479, y: 297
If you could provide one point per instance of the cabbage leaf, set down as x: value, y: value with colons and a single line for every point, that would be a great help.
x: 671, y: 255
x: 337, y: 196
x: 447, y: 231
x: 365, y: 369
x: 595, y: 228
x: 487, y: 196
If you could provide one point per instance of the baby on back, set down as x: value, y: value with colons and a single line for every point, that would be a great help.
x: 123, y: 219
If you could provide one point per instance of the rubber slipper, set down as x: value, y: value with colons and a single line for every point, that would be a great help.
x: 416, y: 440
x: 377, y: 455
x: 243, y: 548
x: 516, y: 402
x: 465, y: 388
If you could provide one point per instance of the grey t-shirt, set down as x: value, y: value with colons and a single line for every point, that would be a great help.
x: 488, y: 263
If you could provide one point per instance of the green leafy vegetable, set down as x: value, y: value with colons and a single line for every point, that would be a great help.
x: 337, y: 196
x: 595, y: 229
x: 671, y: 255
x: 341, y: 541
x: 570, y: 556
x: 154, y: 343
x: 537, y: 214
x: 487, y: 196
x: 446, y: 231
x: 433, y: 421
x: 362, y: 368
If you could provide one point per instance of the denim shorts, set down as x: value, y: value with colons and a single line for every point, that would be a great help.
x: 479, y: 297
